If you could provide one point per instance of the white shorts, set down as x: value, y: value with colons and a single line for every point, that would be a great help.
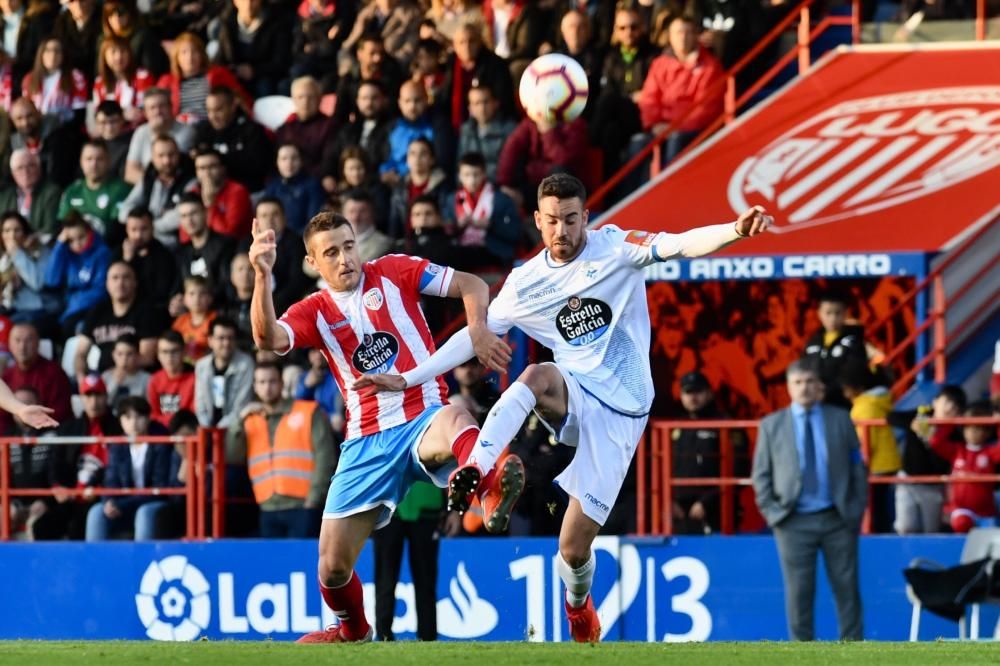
x: 605, y: 442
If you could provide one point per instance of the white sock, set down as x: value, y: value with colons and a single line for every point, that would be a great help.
x: 577, y: 581
x: 502, y: 424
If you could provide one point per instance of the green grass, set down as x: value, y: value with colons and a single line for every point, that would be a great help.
x: 38, y: 653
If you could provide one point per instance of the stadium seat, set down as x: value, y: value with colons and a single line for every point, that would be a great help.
x: 950, y: 591
x: 272, y: 111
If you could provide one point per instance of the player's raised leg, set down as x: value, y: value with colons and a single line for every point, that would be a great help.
x: 340, y: 544
x: 576, y: 565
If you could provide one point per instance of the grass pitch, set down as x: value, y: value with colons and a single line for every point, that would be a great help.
x: 222, y: 653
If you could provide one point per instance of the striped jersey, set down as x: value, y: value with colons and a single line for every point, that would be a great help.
x: 378, y: 327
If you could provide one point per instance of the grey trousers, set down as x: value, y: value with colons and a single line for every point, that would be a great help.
x: 799, y: 538
x: 918, y: 508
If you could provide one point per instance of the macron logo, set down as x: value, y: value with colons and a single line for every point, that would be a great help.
x: 598, y: 503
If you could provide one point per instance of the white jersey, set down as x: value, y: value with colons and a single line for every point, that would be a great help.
x: 591, y: 312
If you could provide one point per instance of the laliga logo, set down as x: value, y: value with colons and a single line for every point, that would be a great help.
x: 173, y: 601
x: 869, y: 154
x: 464, y: 614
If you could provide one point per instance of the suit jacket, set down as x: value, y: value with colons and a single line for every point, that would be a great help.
x: 777, y: 477
x: 155, y: 470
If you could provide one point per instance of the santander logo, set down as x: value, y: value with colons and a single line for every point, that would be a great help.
x: 869, y: 154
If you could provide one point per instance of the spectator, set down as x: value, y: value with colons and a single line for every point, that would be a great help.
x: 310, y: 129
x: 98, y: 196
x: 116, y: 135
x: 52, y: 71
x: 227, y: 202
x: 811, y: 486
x: 29, y: 468
x: 34, y: 20
x: 136, y: 465
x: 300, y: 194
x: 372, y: 64
x: 121, y: 19
x: 171, y: 388
x: 487, y: 221
x: 54, y: 144
x: 33, y: 371
x: 428, y: 237
x: 154, y: 265
x: 244, y: 145
x: 318, y: 383
x: 81, y: 467
x: 316, y: 39
x: 576, y: 40
x: 970, y: 504
x: 290, y: 455
x: 697, y: 454
x: 449, y: 16
x: 182, y: 424
x: 683, y: 88
x: 517, y: 28
x: 397, y: 22
x: 237, y: 301
x: 22, y: 274
x: 78, y: 29
x: 427, y: 70
x: 835, y: 345
x: 355, y: 172
x: 476, y: 393
x: 359, y: 210
x: 223, y: 380
x: 369, y: 131
x: 119, y: 78
x: 120, y: 313
x: 192, y: 77
x: 536, y: 149
x: 423, y: 178
x: 870, y: 400
x: 125, y: 378
x: 206, y: 253
x: 471, y: 64
x: 35, y: 198
x: 77, y: 267
x: 484, y: 132
x: 254, y: 42
x: 159, y: 121
x: 918, y: 505
x: 289, y: 281
x: 414, y: 123
x: 167, y: 177
x: 194, y: 324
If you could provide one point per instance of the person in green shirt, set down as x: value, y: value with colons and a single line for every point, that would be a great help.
x: 98, y: 195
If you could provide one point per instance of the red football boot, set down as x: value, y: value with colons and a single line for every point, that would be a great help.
x: 500, y: 496
x: 584, y: 625
x: 333, y: 635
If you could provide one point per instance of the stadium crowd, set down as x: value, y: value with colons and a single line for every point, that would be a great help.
x: 132, y: 164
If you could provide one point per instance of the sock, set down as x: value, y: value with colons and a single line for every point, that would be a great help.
x: 578, y: 581
x: 502, y: 424
x: 347, y: 603
x: 462, y: 445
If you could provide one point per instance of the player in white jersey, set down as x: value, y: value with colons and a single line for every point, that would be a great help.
x: 584, y: 297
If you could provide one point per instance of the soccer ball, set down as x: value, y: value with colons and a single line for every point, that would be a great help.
x: 554, y: 88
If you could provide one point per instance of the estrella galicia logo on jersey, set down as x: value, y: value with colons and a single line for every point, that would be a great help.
x: 583, y: 320
x: 376, y: 353
x: 373, y: 299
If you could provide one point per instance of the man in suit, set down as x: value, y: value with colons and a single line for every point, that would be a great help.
x: 811, y: 486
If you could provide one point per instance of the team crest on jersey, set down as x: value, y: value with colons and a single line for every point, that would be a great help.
x: 583, y: 320
x: 373, y: 299
x: 376, y: 353
x: 643, y: 238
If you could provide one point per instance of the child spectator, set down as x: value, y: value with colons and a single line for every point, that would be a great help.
x: 835, y: 345
x: 194, y: 324
x: 171, y: 388
x: 125, y: 377
x: 301, y: 194
x: 78, y: 266
x: 134, y: 465
x: 423, y: 178
x: 486, y: 220
x: 427, y: 69
x: 484, y: 132
x: 970, y: 503
x: 355, y: 172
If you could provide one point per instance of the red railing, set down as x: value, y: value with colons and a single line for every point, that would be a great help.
x: 655, y: 482
x: 195, y: 459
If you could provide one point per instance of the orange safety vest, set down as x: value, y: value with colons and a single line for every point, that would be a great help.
x: 286, y: 468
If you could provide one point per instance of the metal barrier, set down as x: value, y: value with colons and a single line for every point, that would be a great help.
x: 655, y: 482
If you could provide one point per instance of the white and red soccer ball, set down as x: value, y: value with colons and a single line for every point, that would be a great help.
x: 554, y: 88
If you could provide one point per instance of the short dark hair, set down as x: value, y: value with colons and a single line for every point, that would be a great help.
x: 375, y: 83
x: 979, y: 408
x: 208, y: 151
x: 324, y: 221
x: 358, y: 194
x: 100, y: 144
x: 173, y: 337
x: 140, y: 212
x: 133, y: 403
x: 129, y: 339
x: 191, y: 198
x: 803, y: 366
x: 562, y: 186
x: 472, y: 159
x: 427, y: 200
x: 479, y: 87
x: 833, y: 296
x: 110, y: 107
x: 857, y: 376
x: 182, y: 418
x: 74, y: 220
x: 21, y: 220
x: 431, y: 46
x: 424, y: 140
x: 268, y: 365
x: 954, y: 393
x: 269, y: 200
x: 222, y: 322
x: 197, y: 281
x: 219, y: 90
x: 369, y: 36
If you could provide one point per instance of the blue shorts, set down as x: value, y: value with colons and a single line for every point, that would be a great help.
x: 378, y: 470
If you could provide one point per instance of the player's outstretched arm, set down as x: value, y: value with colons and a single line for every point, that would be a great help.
x: 475, y: 294
x: 706, y: 240
x: 457, y: 350
x: 263, y: 253
x: 35, y: 416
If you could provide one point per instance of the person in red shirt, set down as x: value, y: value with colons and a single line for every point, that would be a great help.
x: 970, y: 502
x: 226, y: 201
x: 536, y: 149
x: 171, y: 388
x: 32, y: 370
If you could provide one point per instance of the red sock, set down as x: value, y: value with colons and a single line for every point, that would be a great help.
x: 491, y: 476
x: 348, y: 604
x: 462, y: 445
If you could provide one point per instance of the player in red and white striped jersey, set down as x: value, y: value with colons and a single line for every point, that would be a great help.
x: 368, y: 321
